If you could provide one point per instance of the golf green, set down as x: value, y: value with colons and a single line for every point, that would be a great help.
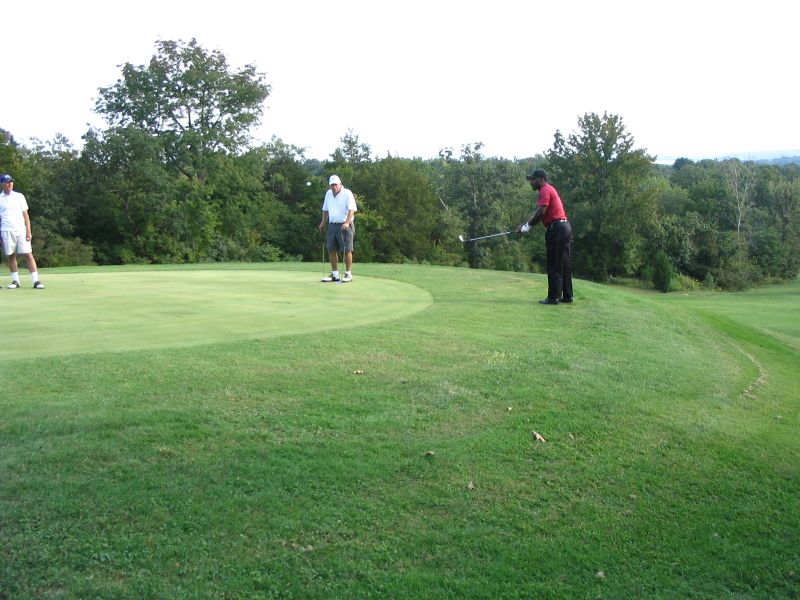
x: 120, y: 311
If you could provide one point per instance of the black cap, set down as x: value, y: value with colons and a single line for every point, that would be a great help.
x: 537, y: 173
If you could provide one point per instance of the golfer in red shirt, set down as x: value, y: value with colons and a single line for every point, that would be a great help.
x: 557, y: 238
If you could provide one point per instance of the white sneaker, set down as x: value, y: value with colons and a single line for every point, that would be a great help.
x: 347, y: 277
x: 14, y: 284
x: 38, y: 285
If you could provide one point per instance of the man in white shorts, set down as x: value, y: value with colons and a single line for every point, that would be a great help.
x: 15, y: 229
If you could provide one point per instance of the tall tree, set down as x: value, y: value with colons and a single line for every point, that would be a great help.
x: 191, y: 100
x: 489, y: 194
x: 10, y: 158
x: 399, y: 209
x: 740, y: 182
x: 352, y: 151
x: 603, y: 181
x: 50, y: 173
x: 778, y: 245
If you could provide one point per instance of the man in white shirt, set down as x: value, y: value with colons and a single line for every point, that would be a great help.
x: 15, y: 229
x: 338, y: 212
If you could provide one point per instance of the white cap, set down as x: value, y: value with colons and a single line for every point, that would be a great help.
x: 334, y: 179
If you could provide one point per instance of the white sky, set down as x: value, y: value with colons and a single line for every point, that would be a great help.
x: 699, y: 78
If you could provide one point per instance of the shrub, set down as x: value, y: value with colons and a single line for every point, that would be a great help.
x: 57, y: 251
x: 662, y: 272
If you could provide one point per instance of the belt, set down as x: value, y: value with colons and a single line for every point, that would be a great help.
x: 557, y: 221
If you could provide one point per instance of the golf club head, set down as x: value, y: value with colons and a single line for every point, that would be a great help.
x: 461, y: 239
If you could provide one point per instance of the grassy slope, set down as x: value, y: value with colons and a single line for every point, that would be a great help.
x: 269, y: 469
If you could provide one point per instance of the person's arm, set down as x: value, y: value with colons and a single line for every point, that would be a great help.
x: 324, y: 220
x: 534, y: 218
x: 351, y: 209
x: 28, y: 235
x: 350, y: 216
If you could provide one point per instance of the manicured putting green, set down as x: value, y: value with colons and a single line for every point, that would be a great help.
x: 120, y: 311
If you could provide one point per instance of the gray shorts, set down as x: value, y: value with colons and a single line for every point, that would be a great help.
x: 340, y: 240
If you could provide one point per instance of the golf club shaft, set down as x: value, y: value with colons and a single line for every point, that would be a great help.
x: 483, y: 237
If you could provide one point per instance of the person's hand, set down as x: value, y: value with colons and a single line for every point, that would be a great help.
x: 525, y: 228
x: 321, y: 225
x: 345, y: 225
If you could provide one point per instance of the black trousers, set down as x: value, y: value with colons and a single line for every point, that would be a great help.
x: 558, y: 241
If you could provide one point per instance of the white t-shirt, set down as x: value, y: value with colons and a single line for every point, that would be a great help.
x: 11, y: 207
x: 339, y: 206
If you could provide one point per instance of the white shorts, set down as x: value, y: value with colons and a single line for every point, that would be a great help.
x: 14, y: 242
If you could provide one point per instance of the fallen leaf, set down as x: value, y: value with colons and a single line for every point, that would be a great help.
x: 600, y: 575
x: 509, y: 409
x: 429, y: 453
x: 538, y: 436
x: 358, y: 372
x: 470, y: 486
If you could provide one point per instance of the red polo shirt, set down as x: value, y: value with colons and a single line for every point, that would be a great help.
x: 554, y: 209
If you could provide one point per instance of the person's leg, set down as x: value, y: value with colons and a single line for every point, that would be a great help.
x: 566, y: 273
x: 554, y: 263
x: 333, y: 247
x: 14, y: 268
x: 31, y: 262
x: 341, y: 245
x: 348, y: 237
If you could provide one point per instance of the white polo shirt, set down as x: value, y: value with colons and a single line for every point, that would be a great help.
x: 11, y: 207
x: 338, y: 206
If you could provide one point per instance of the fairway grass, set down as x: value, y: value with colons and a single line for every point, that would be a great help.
x: 390, y: 453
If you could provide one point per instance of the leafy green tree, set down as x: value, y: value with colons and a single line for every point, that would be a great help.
x: 294, y: 208
x: 191, y: 100
x: 604, y: 182
x: 50, y: 172
x: 400, y: 209
x: 740, y: 182
x: 351, y: 151
x: 490, y: 195
x: 128, y: 206
x: 705, y: 186
x: 10, y: 158
x: 777, y: 246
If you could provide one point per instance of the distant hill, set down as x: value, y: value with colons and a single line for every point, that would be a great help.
x: 782, y: 160
x: 781, y: 157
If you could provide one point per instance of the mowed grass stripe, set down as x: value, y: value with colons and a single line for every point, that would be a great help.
x: 772, y: 310
x: 107, y: 311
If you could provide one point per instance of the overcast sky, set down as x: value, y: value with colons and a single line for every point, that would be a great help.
x: 700, y: 78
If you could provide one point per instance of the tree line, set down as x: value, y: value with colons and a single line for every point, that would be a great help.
x: 174, y: 178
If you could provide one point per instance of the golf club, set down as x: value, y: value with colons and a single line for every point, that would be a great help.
x: 324, y: 266
x: 483, y: 237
